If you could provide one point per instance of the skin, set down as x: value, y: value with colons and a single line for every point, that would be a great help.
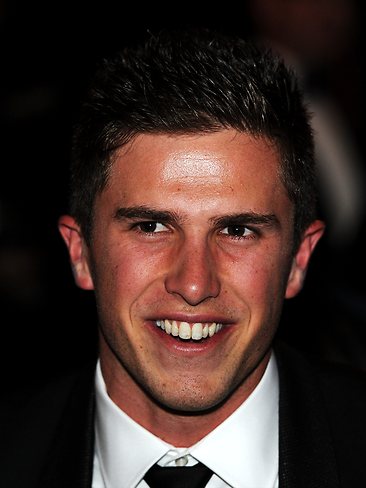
x: 193, y: 228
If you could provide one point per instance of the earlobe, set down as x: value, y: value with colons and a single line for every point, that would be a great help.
x: 301, y: 260
x: 78, y: 251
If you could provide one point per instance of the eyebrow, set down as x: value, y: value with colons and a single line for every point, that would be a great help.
x: 247, y: 218
x: 143, y: 212
x: 166, y: 216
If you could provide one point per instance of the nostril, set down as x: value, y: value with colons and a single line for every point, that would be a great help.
x: 193, y: 288
x: 192, y: 275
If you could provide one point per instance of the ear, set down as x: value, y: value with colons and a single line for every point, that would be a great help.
x: 78, y: 251
x: 301, y: 260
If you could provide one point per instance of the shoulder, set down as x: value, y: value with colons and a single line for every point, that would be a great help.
x: 343, y: 390
x: 341, y: 385
x: 30, y: 419
x: 46, y: 400
x: 324, y: 404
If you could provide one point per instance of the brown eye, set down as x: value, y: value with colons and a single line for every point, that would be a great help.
x: 237, y: 231
x: 151, y: 227
x: 147, y: 226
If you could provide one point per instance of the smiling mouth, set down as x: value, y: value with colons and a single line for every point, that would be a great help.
x: 187, y: 331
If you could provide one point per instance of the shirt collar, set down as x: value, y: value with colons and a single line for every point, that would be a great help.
x: 251, y: 432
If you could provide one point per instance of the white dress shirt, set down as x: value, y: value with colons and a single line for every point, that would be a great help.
x: 242, y: 451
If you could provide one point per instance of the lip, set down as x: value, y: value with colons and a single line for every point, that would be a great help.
x: 192, y: 318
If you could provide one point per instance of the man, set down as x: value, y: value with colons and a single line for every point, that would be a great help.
x: 192, y: 218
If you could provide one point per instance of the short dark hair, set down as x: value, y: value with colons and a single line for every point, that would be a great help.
x: 192, y: 81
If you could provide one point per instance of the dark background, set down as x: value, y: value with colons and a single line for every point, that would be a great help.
x: 48, y: 51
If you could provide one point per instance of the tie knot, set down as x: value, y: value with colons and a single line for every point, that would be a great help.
x: 178, y: 477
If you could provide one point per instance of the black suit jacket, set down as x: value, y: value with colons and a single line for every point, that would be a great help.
x: 47, y: 440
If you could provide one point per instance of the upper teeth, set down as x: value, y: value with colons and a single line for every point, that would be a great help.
x: 184, y: 330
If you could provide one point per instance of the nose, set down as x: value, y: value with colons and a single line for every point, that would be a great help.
x: 193, y: 274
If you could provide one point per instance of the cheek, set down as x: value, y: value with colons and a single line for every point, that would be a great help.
x: 260, y: 280
x: 123, y: 273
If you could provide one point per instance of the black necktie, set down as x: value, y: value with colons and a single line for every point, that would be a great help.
x: 178, y: 477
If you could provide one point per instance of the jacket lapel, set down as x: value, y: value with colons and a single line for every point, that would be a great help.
x: 307, y: 458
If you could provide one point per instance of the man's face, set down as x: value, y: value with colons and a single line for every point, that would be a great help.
x: 192, y: 237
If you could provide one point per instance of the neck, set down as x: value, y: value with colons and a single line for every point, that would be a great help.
x: 180, y: 429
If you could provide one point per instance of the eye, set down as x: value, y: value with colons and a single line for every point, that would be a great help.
x: 151, y: 227
x: 237, y: 231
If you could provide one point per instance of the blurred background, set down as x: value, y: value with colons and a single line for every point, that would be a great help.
x: 49, y: 50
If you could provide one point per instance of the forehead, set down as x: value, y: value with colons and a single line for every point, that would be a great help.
x: 197, y: 166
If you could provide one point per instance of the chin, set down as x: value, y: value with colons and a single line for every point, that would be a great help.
x: 190, y: 400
